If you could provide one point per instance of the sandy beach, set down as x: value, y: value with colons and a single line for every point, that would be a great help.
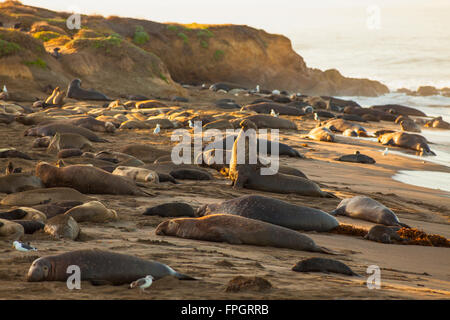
x: 407, y: 271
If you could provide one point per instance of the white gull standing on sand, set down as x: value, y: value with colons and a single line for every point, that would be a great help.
x: 142, y: 283
x: 24, y: 247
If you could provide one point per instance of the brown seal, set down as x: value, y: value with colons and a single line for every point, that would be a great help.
x: 321, y: 134
x: 62, y: 227
x: 93, y: 211
x: 99, y: 267
x: 383, y: 234
x: 238, y: 230
x: 406, y: 140
x: 17, y: 182
x: 86, y: 179
x: 43, y: 196
x: 11, y: 230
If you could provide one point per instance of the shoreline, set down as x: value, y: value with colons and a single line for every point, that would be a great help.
x: 408, y: 272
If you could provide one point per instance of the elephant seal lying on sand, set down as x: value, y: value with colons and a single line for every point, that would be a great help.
x: 365, y: 208
x: 238, y: 230
x: 86, y: 179
x: 407, y: 140
x: 99, y: 267
x: 273, y: 211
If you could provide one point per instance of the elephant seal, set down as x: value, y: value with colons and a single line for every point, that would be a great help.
x: 137, y: 174
x: 18, y: 182
x: 61, y: 141
x: 190, y: 174
x: 62, y: 227
x: 340, y: 125
x: 13, y: 153
x: 323, y: 265
x: 51, y: 129
x: 74, y: 91
x: 409, y: 125
x: 99, y: 267
x: 350, y: 133
x: 399, y: 109
x: 11, y: 230
x: 357, y: 157
x: 408, y: 141
x: 173, y: 209
x: 93, y: 211
x: 273, y: 211
x: 53, y: 209
x: 31, y: 214
x: 365, y: 208
x: 265, y: 107
x: 15, y: 214
x: 89, y: 123
x: 277, y: 183
x: 437, y: 123
x: 228, y: 142
x: 264, y: 121
x: 68, y: 153
x: 321, y: 134
x: 238, y: 230
x: 383, y: 234
x: 86, y: 179
x: 43, y: 142
x: 43, y: 196
x: 30, y: 226
x: 144, y: 152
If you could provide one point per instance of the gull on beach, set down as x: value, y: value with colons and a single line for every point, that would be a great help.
x: 142, y: 283
x: 24, y: 247
x: 191, y: 125
x: 385, y: 152
x: 316, y: 117
x: 4, y: 89
x: 276, y: 92
x: 257, y: 88
x: 157, y: 129
x: 274, y: 114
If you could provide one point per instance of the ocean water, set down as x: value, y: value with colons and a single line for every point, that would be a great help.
x: 439, y: 139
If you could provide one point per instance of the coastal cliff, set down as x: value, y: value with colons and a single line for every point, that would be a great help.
x: 124, y: 55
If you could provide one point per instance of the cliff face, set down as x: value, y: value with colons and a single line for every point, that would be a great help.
x: 148, y: 55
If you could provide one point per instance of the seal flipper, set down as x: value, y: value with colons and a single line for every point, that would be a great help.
x: 328, y: 251
x: 241, y: 179
x: 404, y: 225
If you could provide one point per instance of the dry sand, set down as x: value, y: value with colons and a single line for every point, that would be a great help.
x: 407, y: 271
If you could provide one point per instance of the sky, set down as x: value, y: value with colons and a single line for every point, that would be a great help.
x: 409, y: 35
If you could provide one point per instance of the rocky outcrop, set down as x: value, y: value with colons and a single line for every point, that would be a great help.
x: 148, y: 55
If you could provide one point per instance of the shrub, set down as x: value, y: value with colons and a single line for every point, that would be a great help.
x: 163, y: 77
x: 204, y: 44
x: 172, y: 28
x: 8, y: 48
x: 36, y: 63
x: 205, y: 33
x: 46, y: 35
x: 184, y: 37
x: 218, y: 55
x: 140, y: 36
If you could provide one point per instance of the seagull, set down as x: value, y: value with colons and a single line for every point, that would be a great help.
x: 274, y: 114
x: 257, y: 88
x: 157, y: 129
x: 385, y: 152
x: 276, y: 92
x: 316, y: 117
x: 24, y: 247
x: 142, y: 283
x: 191, y: 125
x: 4, y: 89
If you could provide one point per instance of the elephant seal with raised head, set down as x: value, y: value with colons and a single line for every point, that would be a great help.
x: 75, y: 91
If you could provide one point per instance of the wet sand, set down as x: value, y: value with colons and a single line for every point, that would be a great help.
x: 407, y: 271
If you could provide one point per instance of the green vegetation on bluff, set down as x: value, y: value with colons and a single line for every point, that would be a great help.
x: 39, y: 63
x: 140, y: 36
x: 46, y: 35
x: 8, y: 48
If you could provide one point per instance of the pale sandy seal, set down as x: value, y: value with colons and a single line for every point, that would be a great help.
x: 273, y: 211
x: 321, y: 134
x: 406, y: 140
x: 99, y: 267
x: 17, y: 182
x: 137, y: 174
x: 93, y: 211
x: 237, y: 230
x: 62, y: 227
x: 323, y: 265
x: 365, y: 208
x: 144, y: 152
x: 172, y: 209
x: 43, y: 196
x: 265, y: 121
x: 409, y: 125
x: 11, y: 230
x: 340, y: 125
x: 86, y: 179
x: 61, y: 141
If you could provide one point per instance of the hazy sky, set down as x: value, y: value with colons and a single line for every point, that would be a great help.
x: 275, y: 16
